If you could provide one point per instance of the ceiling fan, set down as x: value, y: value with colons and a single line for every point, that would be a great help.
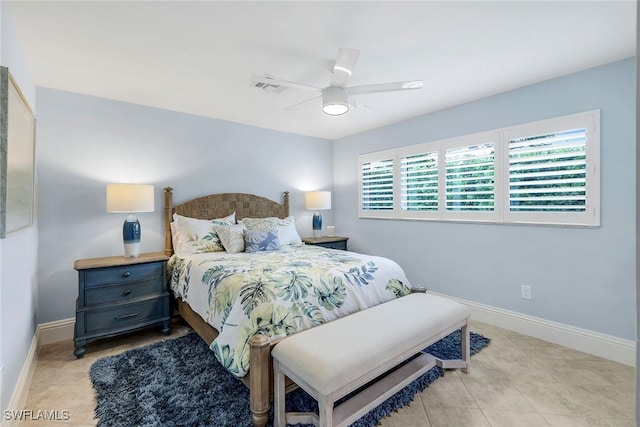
x: 336, y: 97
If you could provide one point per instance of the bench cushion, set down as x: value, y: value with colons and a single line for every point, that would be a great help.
x: 338, y: 353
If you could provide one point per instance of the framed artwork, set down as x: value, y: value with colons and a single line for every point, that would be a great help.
x: 17, y: 157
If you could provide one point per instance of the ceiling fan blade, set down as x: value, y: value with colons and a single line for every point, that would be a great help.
x: 385, y: 87
x: 300, y: 104
x: 274, y: 81
x: 345, y: 63
x: 359, y: 106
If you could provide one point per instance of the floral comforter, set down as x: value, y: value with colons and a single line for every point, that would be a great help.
x: 280, y: 292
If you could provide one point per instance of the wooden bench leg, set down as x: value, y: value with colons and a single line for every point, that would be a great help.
x: 465, y: 356
x: 465, y: 347
x: 325, y: 410
x: 279, y: 417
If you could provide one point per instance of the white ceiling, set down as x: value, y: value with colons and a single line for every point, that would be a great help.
x: 198, y: 57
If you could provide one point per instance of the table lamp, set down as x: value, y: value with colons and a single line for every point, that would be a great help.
x: 317, y: 201
x: 130, y: 198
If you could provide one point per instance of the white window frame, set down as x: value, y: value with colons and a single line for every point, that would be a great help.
x: 589, y: 120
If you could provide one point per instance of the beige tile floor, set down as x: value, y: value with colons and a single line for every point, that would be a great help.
x: 517, y: 381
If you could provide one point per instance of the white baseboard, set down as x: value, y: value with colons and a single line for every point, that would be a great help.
x: 21, y: 390
x: 59, y: 330
x: 46, y: 333
x: 601, y: 345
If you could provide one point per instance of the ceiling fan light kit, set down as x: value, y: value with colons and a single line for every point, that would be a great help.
x: 335, y: 97
x: 335, y: 101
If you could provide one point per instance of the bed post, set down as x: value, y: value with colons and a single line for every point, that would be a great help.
x: 285, y: 202
x: 259, y: 375
x: 168, y: 206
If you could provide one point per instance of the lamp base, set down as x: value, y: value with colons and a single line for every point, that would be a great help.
x: 131, y: 250
x: 317, y: 225
x: 131, y: 233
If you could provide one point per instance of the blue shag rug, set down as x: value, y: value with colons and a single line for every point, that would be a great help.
x: 179, y: 382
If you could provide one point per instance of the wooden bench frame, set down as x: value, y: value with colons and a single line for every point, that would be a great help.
x: 371, y: 396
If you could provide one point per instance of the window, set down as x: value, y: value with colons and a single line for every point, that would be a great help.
x: 377, y: 185
x: 544, y: 172
x: 469, y: 175
x: 419, y: 182
x: 552, y: 171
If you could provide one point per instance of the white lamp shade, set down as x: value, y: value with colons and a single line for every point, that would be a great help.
x: 130, y: 198
x: 317, y: 200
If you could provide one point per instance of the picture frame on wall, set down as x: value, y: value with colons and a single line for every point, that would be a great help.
x: 17, y: 157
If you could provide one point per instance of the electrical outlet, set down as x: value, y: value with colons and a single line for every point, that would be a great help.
x: 525, y: 292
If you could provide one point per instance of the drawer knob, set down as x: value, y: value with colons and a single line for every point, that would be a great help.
x: 126, y: 292
x: 126, y: 316
x: 126, y: 274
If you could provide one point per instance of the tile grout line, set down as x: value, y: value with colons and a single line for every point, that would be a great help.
x: 424, y: 407
x: 472, y: 397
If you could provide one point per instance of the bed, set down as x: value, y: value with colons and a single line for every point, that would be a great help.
x: 242, y: 303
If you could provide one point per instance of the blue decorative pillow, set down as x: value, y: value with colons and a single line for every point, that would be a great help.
x: 256, y: 241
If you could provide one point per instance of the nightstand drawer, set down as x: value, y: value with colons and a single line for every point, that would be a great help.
x: 334, y: 245
x: 126, y: 315
x: 123, y: 292
x: 123, y: 274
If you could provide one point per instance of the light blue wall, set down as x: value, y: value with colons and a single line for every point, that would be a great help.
x: 579, y: 277
x: 18, y: 252
x: 86, y: 142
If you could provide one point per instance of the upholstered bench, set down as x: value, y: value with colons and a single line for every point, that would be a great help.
x: 339, y: 357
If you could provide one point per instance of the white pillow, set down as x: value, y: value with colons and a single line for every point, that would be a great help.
x: 174, y: 240
x: 284, y: 228
x: 261, y: 224
x: 193, y: 236
x: 186, y: 223
x: 231, y: 237
x: 287, y: 233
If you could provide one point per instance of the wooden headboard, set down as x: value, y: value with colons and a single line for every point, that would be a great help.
x: 219, y: 206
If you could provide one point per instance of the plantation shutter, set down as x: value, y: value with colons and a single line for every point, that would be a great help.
x: 377, y: 185
x: 548, y: 173
x: 542, y: 172
x: 470, y: 175
x: 419, y: 182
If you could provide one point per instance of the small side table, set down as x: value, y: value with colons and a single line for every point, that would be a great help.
x: 118, y: 295
x: 335, y: 242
